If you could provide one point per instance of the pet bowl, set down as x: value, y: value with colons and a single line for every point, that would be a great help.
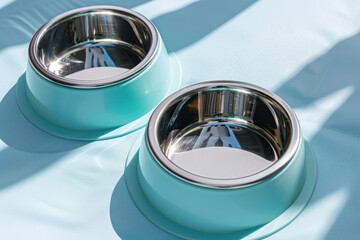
x: 94, y: 72
x: 223, y: 157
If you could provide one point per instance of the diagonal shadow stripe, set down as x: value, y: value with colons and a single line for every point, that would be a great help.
x: 188, y: 25
x: 336, y: 144
x: 20, y: 19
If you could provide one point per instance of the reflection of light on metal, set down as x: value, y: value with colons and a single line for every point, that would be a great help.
x: 55, y: 67
x: 228, y: 103
x: 216, y: 135
x: 98, y: 57
x: 93, y: 37
x: 239, y: 121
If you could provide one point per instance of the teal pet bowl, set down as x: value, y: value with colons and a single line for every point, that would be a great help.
x: 222, y: 160
x: 95, y: 73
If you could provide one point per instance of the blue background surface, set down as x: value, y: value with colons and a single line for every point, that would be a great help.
x: 308, y: 52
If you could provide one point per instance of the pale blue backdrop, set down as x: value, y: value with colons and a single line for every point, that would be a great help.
x: 306, y: 51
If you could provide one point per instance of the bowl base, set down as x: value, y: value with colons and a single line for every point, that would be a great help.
x: 178, y: 230
x: 102, y: 134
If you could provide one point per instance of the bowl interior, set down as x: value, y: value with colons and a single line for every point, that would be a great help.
x: 94, y: 44
x: 223, y: 133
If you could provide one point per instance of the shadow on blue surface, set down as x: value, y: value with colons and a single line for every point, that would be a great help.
x: 16, y: 166
x: 21, y: 158
x: 29, y: 149
x: 18, y: 133
x: 337, y: 143
x: 338, y: 68
x: 188, y: 25
x: 127, y: 221
x: 179, y: 29
x: 21, y: 18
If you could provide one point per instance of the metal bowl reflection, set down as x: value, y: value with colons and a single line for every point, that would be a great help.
x: 224, y: 134
x: 222, y: 156
x: 94, y: 47
x: 95, y: 70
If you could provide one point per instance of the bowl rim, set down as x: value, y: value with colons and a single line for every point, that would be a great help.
x: 105, y: 82
x: 154, y: 146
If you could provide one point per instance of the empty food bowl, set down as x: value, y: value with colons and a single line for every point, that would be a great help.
x: 223, y: 157
x: 96, y: 69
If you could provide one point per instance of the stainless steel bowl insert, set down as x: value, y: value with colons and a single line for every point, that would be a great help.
x: 223, y: 134
x: 93, y: 46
